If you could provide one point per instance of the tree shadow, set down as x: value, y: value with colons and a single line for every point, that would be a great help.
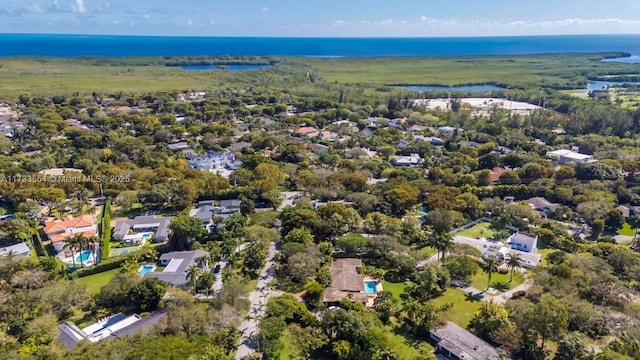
x: 471, y: 297
x: 502, y: 287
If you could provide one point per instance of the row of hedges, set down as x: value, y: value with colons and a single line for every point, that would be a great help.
x: 105, y: 230
x: 38, y: 246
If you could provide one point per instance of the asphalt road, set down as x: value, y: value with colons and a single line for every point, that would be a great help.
x: 258, y: 298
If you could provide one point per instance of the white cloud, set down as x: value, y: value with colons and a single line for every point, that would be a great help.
x: 78, y: 6
x: 265, y: 9
x: 146, y: 16
x: 338, y: 23
x: 115, y: 22
x: 189, y: 22
x: 33, y: 9
x: 56, y: 5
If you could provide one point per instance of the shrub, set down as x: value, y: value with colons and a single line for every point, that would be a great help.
x: 503, y: 271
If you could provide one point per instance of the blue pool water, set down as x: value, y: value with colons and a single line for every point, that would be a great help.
x: 370, y: 287
x: 228, y: 67
x: 146, y: 236
x: 146, y: 269
x: 83, y: 256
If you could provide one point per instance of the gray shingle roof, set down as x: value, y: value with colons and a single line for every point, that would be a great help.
x: 462, y: 343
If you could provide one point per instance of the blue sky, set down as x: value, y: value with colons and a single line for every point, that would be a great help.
x: 321, y: 18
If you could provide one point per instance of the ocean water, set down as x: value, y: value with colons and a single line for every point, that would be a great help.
x: 95, y: 45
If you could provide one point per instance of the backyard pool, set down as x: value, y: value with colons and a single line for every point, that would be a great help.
x: 83, y: 256
x: 370, y: 287
x: 144, y: 269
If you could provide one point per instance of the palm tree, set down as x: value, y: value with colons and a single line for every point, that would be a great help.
x: 490, y: 266
x: 514, y: 262
x: 203, y: 262
x: 442, y: 242
x: 192, y: 275
x: 71, y: 243
x: 83, y: 243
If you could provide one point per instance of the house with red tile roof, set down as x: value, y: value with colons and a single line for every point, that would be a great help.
x: 308, y: 131
x: 496, y: 173
x: 59, y: 230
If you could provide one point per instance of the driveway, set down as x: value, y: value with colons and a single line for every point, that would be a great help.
x: 217, y: 285
x: 288, y: 198
x: 258, y: 298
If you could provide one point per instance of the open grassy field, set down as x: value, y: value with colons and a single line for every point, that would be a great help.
x: 568, y: 71
x: 477, y: 231
x: 95, y: 282
x: 394, y: 288
x: 464, y: 307
x: 66, y: 76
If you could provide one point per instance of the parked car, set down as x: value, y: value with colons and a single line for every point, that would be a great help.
x: 216, y: 269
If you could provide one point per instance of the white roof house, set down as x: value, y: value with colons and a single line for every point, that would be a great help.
x: 411, y: 160
x: 20, y: 250
x: 498, y: 249
x: 523, y: 242
x: 564, y: 156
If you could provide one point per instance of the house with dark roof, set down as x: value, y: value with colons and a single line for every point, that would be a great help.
x: 346, y: 282
x: 176, y: 265
x: 158, y: 225
x: 456, y: 343
x: 543, y: 205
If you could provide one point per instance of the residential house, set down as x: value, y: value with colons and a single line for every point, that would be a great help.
x: 307, y: 131
x: 317, y: 148
x: 564, y: 156
x: 396, y: 123
x: 224, y: 209
x: 59, y: 171
x: 222, y: 162
x: 496, y: 173
x: 177, y: 265
x: 109, y: 328
x: 240, y: 145
x: 198, y: 95
x: 328, y: 136
x: 346, y: 282
x: 128, y: 229
x: 456, y: 343
x: 542, y: 205
x: 467, y: 143
x: 9, y: 127
x: 430, y: 139
x: 624, y: 210
x: 411, y: 160
x: 402, y: 144
x: 182, y: 145
x: 523, y: 242
x: 20, y: 250
x: 499, y: 250
x: 417, y: 128
x: 59, y: 230
x: 448, y: 130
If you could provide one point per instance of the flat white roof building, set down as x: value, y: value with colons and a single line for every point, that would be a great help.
x: 564, y: 156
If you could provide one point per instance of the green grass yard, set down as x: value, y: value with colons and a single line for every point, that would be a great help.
x: 498, y: 281
x: 627, y: 230
x: 477, y: 231
x: 394, y: 288
x: 463, y: 307
x: 95, y: 282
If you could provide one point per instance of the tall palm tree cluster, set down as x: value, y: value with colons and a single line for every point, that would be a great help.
x: 79, y: 243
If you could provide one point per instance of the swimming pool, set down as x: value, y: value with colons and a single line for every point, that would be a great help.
x: 144, y: 269
x: 370, y: 287
x: 147, y: 235
x: 83, y: 256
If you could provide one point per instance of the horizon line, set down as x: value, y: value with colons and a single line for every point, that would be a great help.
x: 318, y: 36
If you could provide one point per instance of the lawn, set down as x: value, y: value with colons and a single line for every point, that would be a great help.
x: 627, y: 230
x: 477, y: 231
x: 463, y: 307
x: 394, y: 288
x: 498, y: 281
x: 403, y: 347
x: 95, y: 282
x: 428, y: 251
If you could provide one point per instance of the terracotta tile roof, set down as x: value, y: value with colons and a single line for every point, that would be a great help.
x: 307, y: 130
x: 496, y: 173
x: 58, y: 230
